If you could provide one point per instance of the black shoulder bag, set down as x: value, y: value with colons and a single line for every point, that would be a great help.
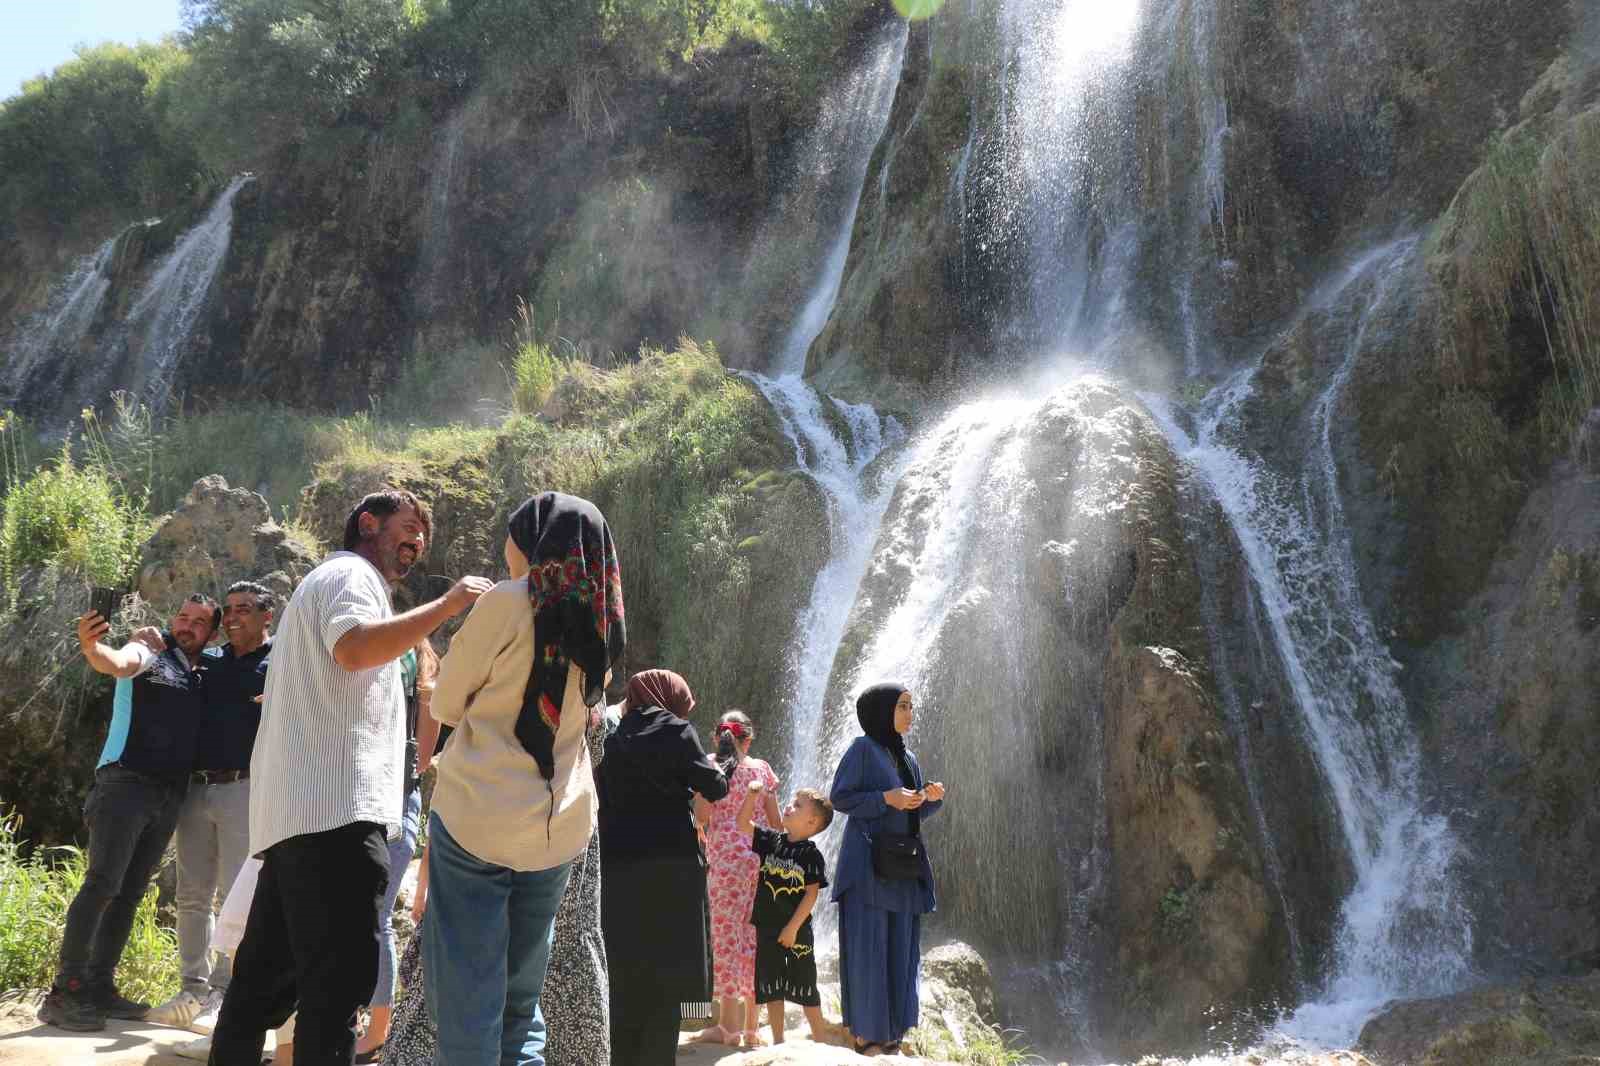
x: 898, y: 856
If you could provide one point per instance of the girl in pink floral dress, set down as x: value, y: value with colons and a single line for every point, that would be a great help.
x: 731, y: 882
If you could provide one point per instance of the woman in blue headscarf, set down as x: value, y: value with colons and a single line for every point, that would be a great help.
x: 880, y: 787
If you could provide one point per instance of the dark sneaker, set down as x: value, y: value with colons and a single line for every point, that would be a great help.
x: 71, y: 1011
x: 115, y: 1005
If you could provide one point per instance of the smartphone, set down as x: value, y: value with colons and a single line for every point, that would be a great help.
x: 107, y: 601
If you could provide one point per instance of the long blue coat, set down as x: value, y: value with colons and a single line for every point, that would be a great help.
x: 865, y: 773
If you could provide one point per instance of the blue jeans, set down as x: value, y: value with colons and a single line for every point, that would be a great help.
x: 401, y: 848
x: 485, y: 948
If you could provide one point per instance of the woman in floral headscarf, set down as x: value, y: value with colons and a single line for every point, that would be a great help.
x: 515, y: 800
x: 653, y: 871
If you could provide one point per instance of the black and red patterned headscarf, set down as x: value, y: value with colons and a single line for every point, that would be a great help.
x: 576, y: 590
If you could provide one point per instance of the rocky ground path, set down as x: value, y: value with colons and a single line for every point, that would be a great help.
x: 24, y: 1042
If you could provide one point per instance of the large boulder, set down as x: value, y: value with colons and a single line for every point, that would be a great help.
x: 1032, y: 582
x: 958, y: 995
x: 1532, y: 1023
x: 215, y: 536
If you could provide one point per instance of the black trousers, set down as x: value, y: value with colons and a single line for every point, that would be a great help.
x: 311, y: 942
x: 130, y: 817
x: 642, y: 1036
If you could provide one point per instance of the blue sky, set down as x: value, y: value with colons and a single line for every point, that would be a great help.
x: 39, y: 35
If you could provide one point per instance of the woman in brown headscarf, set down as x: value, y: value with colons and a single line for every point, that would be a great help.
x: 653, y: 871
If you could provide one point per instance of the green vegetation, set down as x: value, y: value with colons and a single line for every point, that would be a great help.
x: 691, y: 471
x: 1522, y: 240
x: 96, y: 132
x: 985, y: 1047
x: 35, y: 891
x: 138, y: 129
x: 66, y: 516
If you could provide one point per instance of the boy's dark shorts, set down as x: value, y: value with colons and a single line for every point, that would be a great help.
x: 789, y: 974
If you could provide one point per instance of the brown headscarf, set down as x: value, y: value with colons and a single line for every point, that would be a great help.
x: 660, y: 688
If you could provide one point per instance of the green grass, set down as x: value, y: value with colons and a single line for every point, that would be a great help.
x: 35, y: 891
x: 1523, y: 236
x: 985, y: 1047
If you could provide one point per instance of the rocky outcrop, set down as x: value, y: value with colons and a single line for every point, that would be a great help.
x: 1550, y: 1022
x: 1097, y: 811
x: 958, y: 997
x: 216, y: 536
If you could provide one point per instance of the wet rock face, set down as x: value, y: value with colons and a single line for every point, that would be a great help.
x: 1511, y: 705
x: 1097, y: 814
x: 215, y: 536
x: 1536, y: 1023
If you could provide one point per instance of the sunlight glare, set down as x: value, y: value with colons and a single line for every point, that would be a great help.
x: 1089, y: 33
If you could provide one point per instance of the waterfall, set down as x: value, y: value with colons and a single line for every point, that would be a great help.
x: 57, y: 331
x: 170, y: 303
x: 1066, y: 175
x: 437, y: 229
x: 1403, y: 930
x: 834, y: 162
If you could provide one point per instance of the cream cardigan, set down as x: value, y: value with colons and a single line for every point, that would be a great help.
x: 489, y: 793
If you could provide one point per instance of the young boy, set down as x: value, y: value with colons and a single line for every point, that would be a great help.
x: 791, y: 877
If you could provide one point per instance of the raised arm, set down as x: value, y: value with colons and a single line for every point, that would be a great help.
x: 370, y: 644
x: 126, y: 661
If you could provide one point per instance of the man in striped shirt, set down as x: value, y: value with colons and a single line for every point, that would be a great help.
x: 325, y: 789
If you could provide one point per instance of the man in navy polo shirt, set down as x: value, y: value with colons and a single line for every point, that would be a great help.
x: 132, y: 808
x: 214, y: 822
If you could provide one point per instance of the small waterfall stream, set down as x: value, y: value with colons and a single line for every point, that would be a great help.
x: 1403, y: 930
x: 170, y: 303
x: 64, y: 322
x: 834, y: 442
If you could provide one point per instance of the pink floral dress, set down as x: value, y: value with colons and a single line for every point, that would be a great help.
x: 731, y: 883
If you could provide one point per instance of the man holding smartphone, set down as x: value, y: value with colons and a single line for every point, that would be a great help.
x: 132, y: 809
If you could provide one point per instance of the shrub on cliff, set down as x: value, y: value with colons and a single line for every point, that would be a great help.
x: 67, y: 516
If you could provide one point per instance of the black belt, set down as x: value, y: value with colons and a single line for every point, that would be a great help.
x: 217, y: 777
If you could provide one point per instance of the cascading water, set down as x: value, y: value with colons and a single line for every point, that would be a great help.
x: 63, y: 324
x: 1066, y: 162
x: 1403, y: 930
x: 170, y: 303
x: 832, y: 170
x: 437, y: 230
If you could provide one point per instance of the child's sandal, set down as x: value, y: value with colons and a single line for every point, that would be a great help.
x: 751, y: 1038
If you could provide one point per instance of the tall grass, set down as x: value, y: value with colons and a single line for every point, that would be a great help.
x: 1524, y: 232
x: 35, y: 892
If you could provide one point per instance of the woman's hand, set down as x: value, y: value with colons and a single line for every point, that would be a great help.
x: 934, y: 790
x: 903, y: 799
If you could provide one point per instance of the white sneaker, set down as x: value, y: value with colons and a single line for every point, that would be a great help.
x: 178, y: 1011
x: 206, y: 1020
x: 199, y: 1050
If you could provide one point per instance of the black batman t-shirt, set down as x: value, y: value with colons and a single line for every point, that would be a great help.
x: 787, y: 867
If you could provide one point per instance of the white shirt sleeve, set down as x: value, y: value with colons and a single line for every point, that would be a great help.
x: 357, y: 599
x: 147, y: 658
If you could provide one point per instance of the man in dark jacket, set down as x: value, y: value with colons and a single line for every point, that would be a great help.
x: 132, y: 809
